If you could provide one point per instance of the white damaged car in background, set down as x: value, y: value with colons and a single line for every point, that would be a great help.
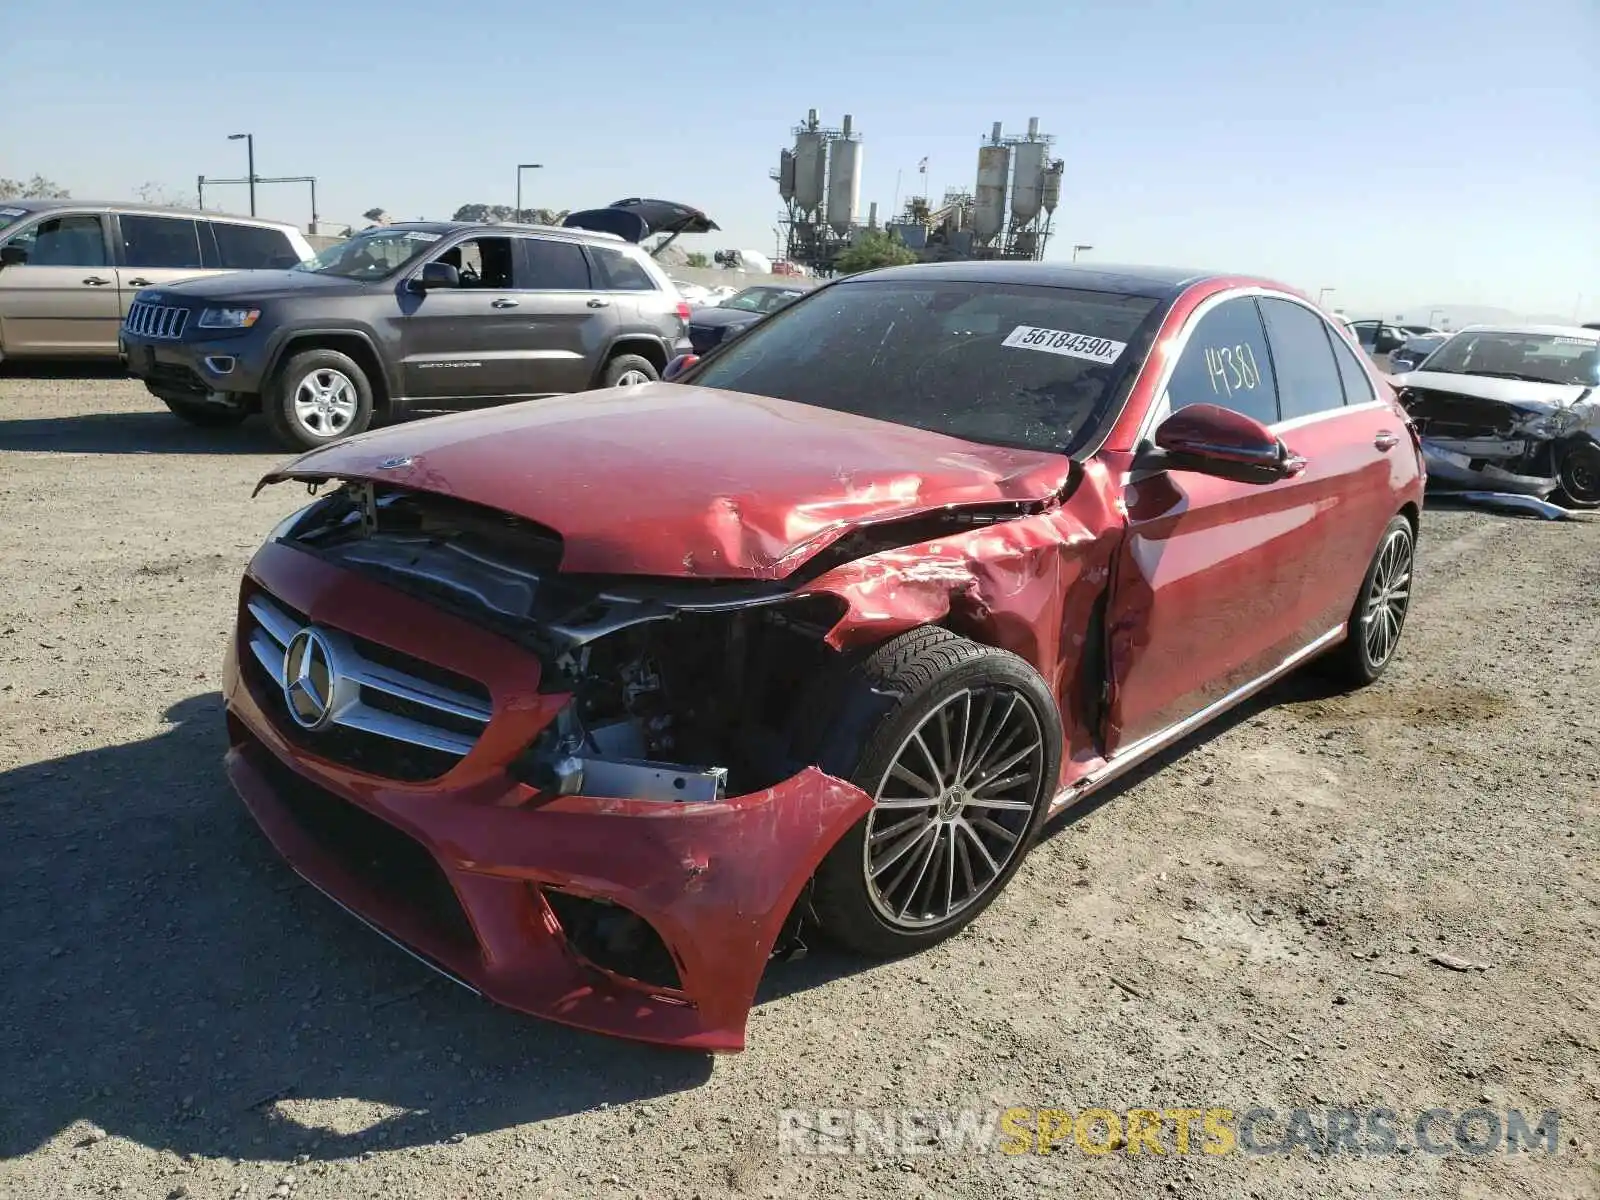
x: 1511, y: 415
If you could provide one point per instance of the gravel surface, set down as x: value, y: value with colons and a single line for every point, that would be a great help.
x: 1251, y: 922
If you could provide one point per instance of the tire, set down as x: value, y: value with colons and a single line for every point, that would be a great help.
x: 207, y: 416
x: 624, y: 371
x: 1360, y: 659
x: 876, y: 892
x: 1579, y: 473
x: 319, y: 396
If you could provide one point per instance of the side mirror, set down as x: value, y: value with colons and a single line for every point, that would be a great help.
x: 1211, y: 440
x: 678, y: 366
x: 435, y: 275
x: 13, y: 256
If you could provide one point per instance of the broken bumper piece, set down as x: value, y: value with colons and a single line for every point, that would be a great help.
x: 1455, y: 466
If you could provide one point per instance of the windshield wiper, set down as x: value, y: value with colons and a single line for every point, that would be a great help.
x: 1509, y: 375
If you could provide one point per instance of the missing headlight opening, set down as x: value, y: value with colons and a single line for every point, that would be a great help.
x: 681, y: 691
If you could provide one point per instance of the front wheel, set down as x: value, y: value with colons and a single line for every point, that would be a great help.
x: 1579, y: 474
x: 318, y: 397
x: 1373, y: 632
x: 959, y: 745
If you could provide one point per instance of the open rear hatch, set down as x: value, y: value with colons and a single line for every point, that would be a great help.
x: 635, y: 219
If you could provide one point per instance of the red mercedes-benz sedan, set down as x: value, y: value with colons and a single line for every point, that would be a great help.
x: 598, y: 703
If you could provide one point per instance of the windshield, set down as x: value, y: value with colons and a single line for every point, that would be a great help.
x: 1012, y: 365
x: 370, y: 255
x: 760, y: 300
x: 9, y: 215
x: 1535, y: 357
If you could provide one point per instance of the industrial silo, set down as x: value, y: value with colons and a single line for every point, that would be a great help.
x: 989, y: 203
x: 810, y: 170
x: 1052, y: 186
x: 786, y: 175
x: 844, y: 180
x: 1027, y: 181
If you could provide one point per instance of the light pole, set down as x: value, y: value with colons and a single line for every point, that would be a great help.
x: 521, y: 167
x: 1321, y: 292
x: 1075, y: 250
x: 250, y: 163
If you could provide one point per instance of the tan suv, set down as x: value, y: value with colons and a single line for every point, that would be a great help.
x: 69, y: 268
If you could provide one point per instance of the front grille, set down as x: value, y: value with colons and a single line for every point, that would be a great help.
x: 156, y: 321
x: 383, y: 859
x: 1446, y: 414
x: 371, y: 708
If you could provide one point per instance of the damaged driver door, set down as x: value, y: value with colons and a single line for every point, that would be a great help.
x: 1214, y: 579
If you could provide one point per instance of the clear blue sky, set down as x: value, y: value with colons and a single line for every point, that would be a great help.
x: 1402, y: 153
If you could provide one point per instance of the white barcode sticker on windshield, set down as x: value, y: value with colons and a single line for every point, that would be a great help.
x: 1059, y: 341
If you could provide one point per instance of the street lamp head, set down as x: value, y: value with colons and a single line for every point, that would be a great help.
x: 529, y: 166
x: 234, y: 137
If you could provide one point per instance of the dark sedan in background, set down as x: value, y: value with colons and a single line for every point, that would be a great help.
x: 711, y: 326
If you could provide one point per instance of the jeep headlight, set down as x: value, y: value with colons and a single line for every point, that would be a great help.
x: 229, y: 318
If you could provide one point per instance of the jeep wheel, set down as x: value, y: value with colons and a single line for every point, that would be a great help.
x: 959, y: 745
x: 318, y: 397
x: 628, y: 370
x: 205, y: 414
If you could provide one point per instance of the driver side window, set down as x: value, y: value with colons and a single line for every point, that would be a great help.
x: 483, y: 263
x: 1226, y: 362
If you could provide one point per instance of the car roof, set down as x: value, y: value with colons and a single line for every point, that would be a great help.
x: 572, y: 233
x: 1577, y: 331
x: 35, y: 204
x: 1163, y: 283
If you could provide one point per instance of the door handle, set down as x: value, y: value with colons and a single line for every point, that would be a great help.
x: 502, y: 303
x: 96, y: 281
x: 599, y: 303
x: 140, y: 282
x: 1385, y: 440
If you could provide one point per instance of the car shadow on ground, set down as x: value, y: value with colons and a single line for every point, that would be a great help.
x: 171, y: 981
x: 133, y: 433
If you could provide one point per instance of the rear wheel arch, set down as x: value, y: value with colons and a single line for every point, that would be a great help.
x: 648, y: 348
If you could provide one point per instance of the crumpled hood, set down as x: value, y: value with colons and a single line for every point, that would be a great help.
x: 259, y: 285
x: 674, y: 480
x: 1519, y: 392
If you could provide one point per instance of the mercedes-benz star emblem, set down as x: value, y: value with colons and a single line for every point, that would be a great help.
x: 309, y: 679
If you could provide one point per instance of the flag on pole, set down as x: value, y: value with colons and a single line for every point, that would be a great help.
x: 922, y: 167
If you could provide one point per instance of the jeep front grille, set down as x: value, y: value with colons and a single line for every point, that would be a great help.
x: 156, y: 321
x: 363, y: 704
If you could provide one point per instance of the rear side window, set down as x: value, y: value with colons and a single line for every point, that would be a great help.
x: 1302, y: 360
x: 1226, y: 362
x: 1357, y: 383
x: 70, y: 241
x: 159, y: 243
x: 252, y: 248
x: 618, y: 273
x: 554, y: 266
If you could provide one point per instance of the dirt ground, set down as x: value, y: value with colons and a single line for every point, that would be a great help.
x: 1251, y: 922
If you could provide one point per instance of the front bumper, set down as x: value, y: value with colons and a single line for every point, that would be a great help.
x: 196, y: 370
x: 714, y: 881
